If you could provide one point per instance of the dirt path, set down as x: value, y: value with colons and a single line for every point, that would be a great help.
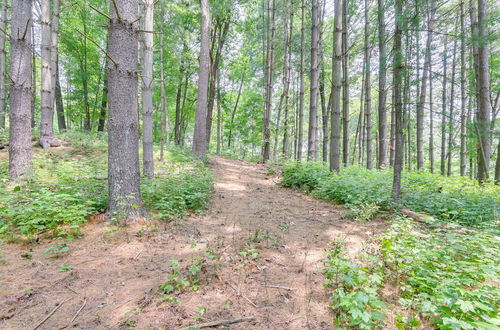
x: 115, y: 272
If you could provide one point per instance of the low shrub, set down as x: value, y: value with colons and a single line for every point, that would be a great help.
x: 456, y: 199
x: 445, y: 278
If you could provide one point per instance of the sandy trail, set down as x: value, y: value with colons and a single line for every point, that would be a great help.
x: 116, y: 271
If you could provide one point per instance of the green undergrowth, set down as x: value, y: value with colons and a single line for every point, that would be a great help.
x: 446, y: 278
x: 452, y: 199
x: 68, y: 184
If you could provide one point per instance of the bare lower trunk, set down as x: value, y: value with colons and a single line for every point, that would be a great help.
x: 336, y: 90
x: 463, y: 95
x: 368, y: 97
x: 147, y: 91
x: 54, y: 57
x: 382, y: 112
x: 422, y: 96
x: 61, y: 120
x: 345, y: 89
x: 443, y: 109
x: 398, y: 109
x: 452, y: 104
x: 123, y: 123
x: 431, y: 119
x: 269, y: 71
x: 20, y: 150
x: 164, y: 115
x: 484, y: 102
x: 3, y: 52
x: 300, y: 124
x: 47, y: 120
x: 200, y: 130
x: 312, y: 144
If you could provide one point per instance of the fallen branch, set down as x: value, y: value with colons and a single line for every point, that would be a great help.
x: 49, y: 315
x: 418, y: 217
x: 223, y: 322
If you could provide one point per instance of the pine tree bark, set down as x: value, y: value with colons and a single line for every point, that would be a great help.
x: 163, y: 105
x: 200, y: 129
x: 337, y: 85
x: 423, y: 86
x: 431, y: 118
x: 288, y: 70
x: 54, y: 54
x: 382, y: 112
x: 123, y: 122
x: 451, y: 112
x: 443, y: 108
x: 463, y: 95
x: 300, y: 124
x: 484, y: 102
x: 312, y: 141
x: 214, y: 73
x: 266, y: 131
x: 104, y: 102
x: 345, y: 87
x: 61, y: 120
x: 3, y: 52
x: 398, y: 108
x: 47, y: 138
x: 147, y: 90
x: 20, y: 150
x: 368, y: 97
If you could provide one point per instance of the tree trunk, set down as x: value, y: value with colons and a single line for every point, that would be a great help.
x: 61, y: 120
x: 266, y: 132
x: 54, y: 61
x: 164, y: 115
x: 337, y: 85
x: 214, y: 74
x: 431, y: 118
x: 345, y: 89
x: 20, y: 150
x: 421, y: 99
x: 443, y: 111
x: 233, y: 114
x: 3, y: 52
x: 123, y: 132
x: 219, y: 118
x: 497, y: 166
x: 47, y: 120
x: 452, y: 104
x: 33, y: 76
x: 312, y: 144
x: 147, y: 90
x: 200, y: 129
x: 382, y: 112
x: 398, y: 108
x: 463, y: 95
x: 368, y: 97
x: 288, y: 71
x: 300, y: 124
x: 104, y: 102
x: 484, y: 102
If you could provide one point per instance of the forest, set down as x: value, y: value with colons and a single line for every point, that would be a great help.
x: 249, y: 164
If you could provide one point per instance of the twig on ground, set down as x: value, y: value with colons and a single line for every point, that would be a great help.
x: 78, y: 312
x: 242, y: 295
x: 224, y: 322
x: 278, y: 287
x: 49, y: 315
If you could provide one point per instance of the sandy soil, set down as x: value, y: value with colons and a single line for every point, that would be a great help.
x: 116, y: 271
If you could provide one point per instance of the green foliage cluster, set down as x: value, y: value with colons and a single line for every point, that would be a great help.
x: 455, y: 199
x: 178, y: 194
x: 189, y: 277
x: 448, y: 278
x: 355, y: 299
x: 69, y: 184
